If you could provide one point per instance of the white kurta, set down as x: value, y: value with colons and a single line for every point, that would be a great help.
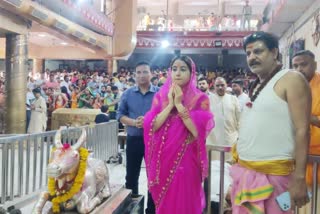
x: 226, y: 111
x: 243, y: 100
x: 38, y: 120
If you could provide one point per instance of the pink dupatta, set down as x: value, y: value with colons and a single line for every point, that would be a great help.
x: 176, y: 163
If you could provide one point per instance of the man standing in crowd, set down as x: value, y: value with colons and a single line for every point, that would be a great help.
x: 154, y: 81
x: 103, y: 117
x: 246, y: 13
x: 52, y: 83
x: 226, y: 111
x: 38, y: 119
x: 203, y: 86
x: 116, y: 99
x: 237, y: 89
x: 271, y: 153
x: 304, y: 62
x: 29, y: 99
x: 66, y: 83
x: 135, y: 103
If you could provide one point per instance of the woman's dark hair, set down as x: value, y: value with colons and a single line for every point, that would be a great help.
x: 65, y: 91
x: 186, y: 59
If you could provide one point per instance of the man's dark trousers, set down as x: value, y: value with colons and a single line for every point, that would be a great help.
x: 135, y: 154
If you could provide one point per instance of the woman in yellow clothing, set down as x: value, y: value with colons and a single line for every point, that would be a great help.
x: 74, y: 98
x: 304, y: 62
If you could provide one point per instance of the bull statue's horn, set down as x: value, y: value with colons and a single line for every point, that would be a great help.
x: 81, y: 140
x: 57, y: 139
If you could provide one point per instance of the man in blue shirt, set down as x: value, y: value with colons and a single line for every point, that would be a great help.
x: 134, y: 104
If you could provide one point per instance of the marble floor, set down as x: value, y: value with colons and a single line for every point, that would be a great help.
x: 117, y: 176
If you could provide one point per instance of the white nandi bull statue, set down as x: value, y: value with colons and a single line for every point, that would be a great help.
x: 75, y: 181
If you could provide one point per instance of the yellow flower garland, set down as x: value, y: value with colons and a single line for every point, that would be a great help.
x: 75, y: 188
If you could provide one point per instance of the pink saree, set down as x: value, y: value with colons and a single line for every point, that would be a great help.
x: 176, y: 163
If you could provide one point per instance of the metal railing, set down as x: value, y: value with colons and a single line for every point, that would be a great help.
x: 24, y: 158
x: 222, y: 150
x: 314, y: 159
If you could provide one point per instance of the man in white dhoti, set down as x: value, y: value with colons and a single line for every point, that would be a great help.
x: 38, y: 120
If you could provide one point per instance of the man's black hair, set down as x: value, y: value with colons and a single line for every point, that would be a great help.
x: 304, y: 53
x: 270, y: 40
x: 202, y: 79
x: 142, y: 63
x: 104, y: 108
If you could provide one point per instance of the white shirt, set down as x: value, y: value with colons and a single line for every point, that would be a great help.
x: 31, y: 85
x: 226, y: 112
x: 266, y: 129
x: 243, y: 100
x: 29, y: 99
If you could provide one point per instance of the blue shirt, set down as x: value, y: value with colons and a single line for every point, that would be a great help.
x: 134, y: 104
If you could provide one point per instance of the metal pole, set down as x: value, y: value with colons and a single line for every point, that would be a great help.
x: 167, y: 17
x: 12, y: 178
x: 35, y: 150
x: 4, y: 176
x: 221, y: 195
x: 28, y: 166
x: 41, y: 160
x: 21, y: 164
x: 314, y: 188
x: 209, y: 184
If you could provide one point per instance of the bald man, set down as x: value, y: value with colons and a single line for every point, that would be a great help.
x: 304, y: 62
x: 226, y: 110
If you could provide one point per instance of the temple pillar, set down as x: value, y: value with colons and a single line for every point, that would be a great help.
x: 114, y: 66
x: 37, y: 67
x: 16, y: 83
x: 125, y: 35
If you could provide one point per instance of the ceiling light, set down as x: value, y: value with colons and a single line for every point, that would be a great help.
x: 63, y: 43
x: 165, y: 44
x: 42, y: 35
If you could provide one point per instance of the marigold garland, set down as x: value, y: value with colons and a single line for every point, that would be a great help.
x: 75, y: 188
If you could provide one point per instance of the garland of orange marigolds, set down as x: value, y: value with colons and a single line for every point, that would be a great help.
x: 76, y: 186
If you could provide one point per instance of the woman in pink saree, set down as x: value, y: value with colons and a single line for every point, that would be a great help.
x: 175, y: 130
